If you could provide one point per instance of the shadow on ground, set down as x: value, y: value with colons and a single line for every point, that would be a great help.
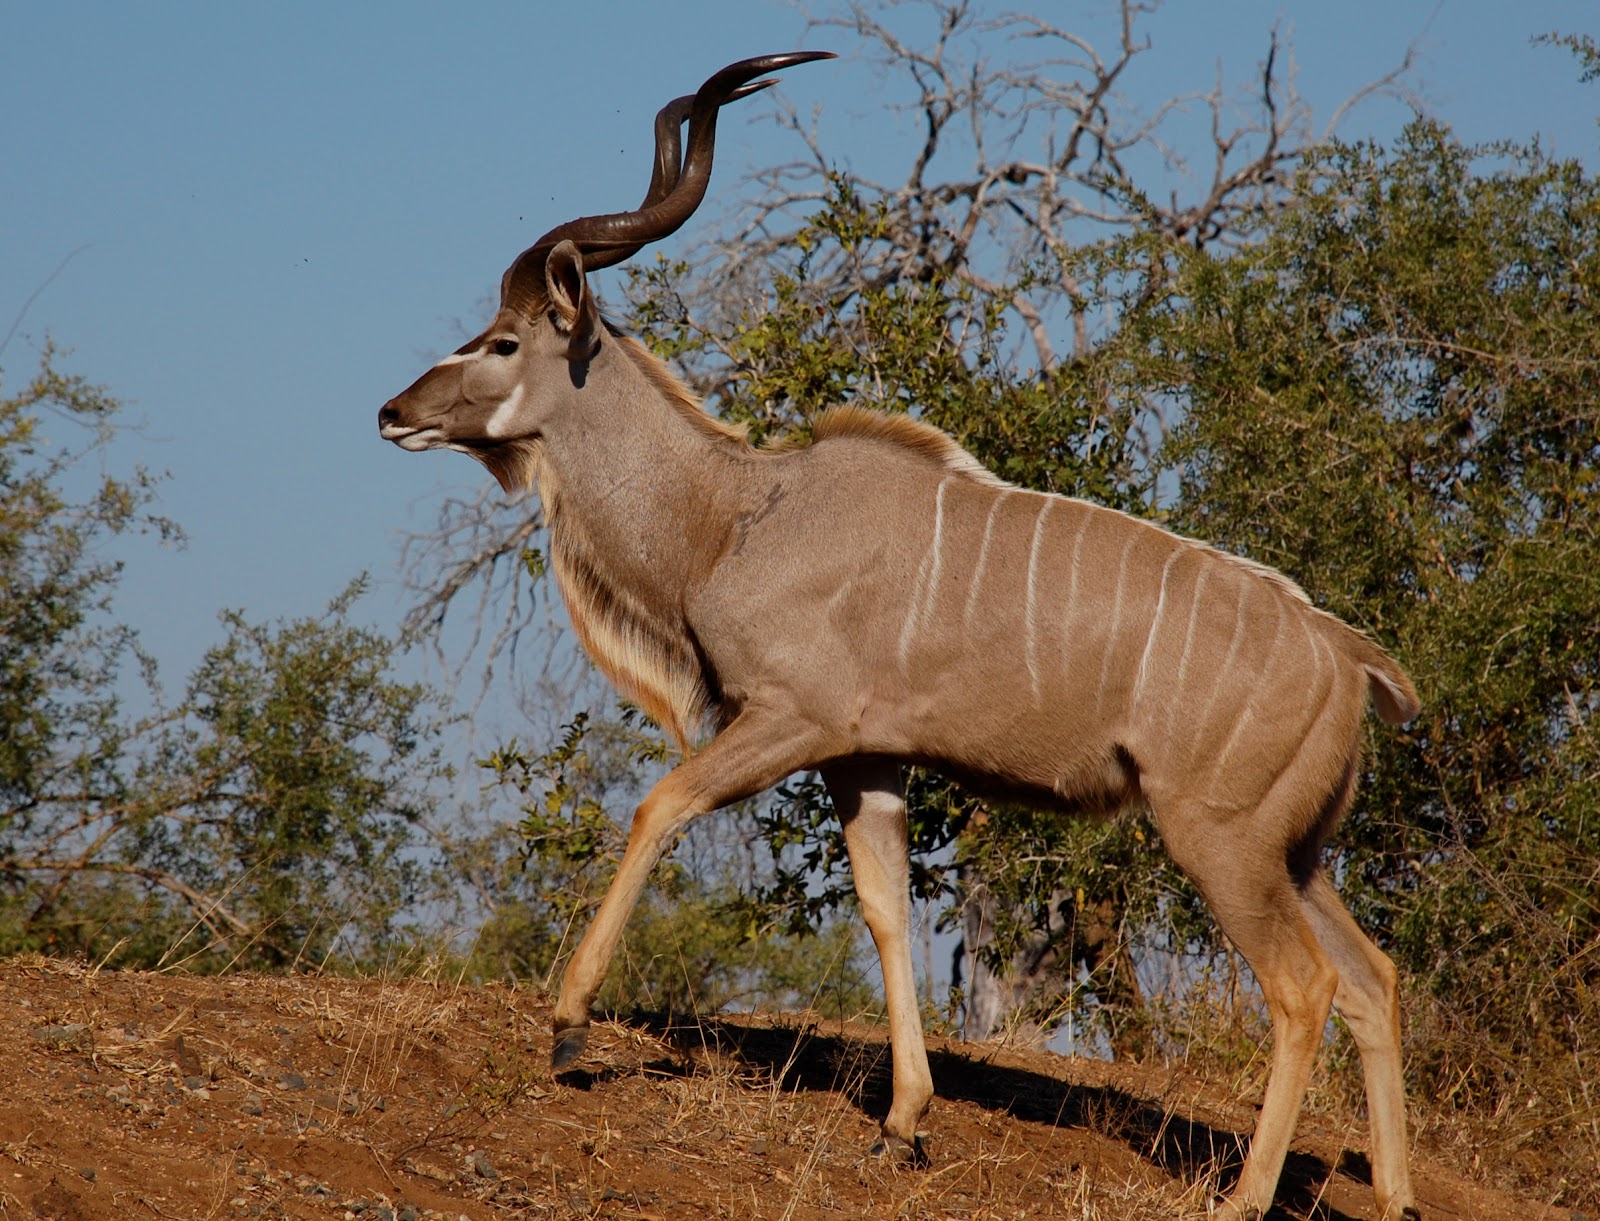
x: 809, y: 1059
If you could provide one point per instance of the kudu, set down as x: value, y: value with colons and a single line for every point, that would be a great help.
x: 878, y: 598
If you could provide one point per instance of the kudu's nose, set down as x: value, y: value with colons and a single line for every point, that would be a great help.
x: 388, y: 414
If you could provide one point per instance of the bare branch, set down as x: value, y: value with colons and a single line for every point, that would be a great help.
x: 207, y: 908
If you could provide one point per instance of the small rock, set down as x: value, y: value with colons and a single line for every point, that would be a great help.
x: 185, y: 1060
x: 291, y: 1081
x: 87, y: 1172
x: 68, y: 1034
x: 482, y: 1167
x: 251, y: 1104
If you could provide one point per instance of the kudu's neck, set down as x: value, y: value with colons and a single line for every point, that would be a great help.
x: 634, y: 481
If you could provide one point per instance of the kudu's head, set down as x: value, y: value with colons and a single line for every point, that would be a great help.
x: 491, y: 397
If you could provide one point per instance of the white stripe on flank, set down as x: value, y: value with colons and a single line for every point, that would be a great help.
x: 1155, y: 626
x: 938, y: 548
x: 836, y: 600
x: 1316, y: 650
x: 1240, y: 723
x: 1227, y: 662
x: 1248, y: 711
x: 913, y: 613
x: 1031, y: 650
x: 1070, y: 607
x: 927, y: 581
x: 1188, y: 638
x: 1321, y: 644
x: 983, y: 555
x: 1084, y: 516
x: 1116, y: 620
x: 498, y: 425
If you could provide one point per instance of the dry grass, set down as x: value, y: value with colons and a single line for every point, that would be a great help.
x: 304, y: 1097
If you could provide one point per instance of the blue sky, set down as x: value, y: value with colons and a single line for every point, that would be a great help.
x: 282, y: 213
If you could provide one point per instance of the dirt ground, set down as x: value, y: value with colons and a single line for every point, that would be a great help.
x: 140, y: 1095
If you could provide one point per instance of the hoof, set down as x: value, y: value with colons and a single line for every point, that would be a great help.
x: 568, y: 1045
x: 1223, y: 1209
x: 896, y: 1152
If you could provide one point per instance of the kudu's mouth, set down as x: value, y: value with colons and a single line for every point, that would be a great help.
x: 432, y: 436
x: 414, y: 439
x: 407, y: 436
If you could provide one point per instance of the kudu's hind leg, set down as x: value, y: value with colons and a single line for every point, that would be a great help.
x: 1243, y: 874
x: 755, y: 752
x: 870, y: 804
x: 1368, y: 1000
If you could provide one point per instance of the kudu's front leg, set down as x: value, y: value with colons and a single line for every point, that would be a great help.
x: 753, y: 753
x: 870, y: 803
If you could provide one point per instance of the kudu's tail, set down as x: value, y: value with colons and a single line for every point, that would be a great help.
x: 1393, y: 696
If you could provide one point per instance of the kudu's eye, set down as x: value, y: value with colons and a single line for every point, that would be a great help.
x: 505, y: 347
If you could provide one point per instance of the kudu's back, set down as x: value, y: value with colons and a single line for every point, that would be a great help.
x: 1057, y: 650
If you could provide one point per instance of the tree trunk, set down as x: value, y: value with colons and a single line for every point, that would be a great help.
x: 1006, y: 1002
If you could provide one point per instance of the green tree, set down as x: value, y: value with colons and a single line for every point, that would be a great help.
x: 264, y: 818
x: 57, y: 656
x: 62, y: 731
x: 292, y: 779
x: 1391, y: 396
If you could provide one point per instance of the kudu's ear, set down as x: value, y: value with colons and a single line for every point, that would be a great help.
x: 573, y: 305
